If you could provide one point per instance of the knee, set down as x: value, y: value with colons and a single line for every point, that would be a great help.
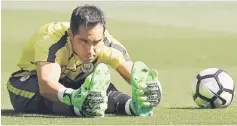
x: 19, y: 103
x: 13, y: 99
x: 18, y: 108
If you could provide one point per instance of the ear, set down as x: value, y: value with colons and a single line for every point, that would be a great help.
x: 69, y: 31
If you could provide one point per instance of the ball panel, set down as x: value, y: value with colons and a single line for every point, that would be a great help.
x: 209, y: 71
x: 207, y: 86
x: 202, y: 103
x: 194, y: 84
x: 228, y: 98
x: 218, y: 103
x: 226, y: 81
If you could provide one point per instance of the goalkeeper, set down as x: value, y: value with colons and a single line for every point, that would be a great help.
x: 63, y: 70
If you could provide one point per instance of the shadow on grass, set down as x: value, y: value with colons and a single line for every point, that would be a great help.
x: 13, y: 113
x: 187, y: 108
x: 9, y: 112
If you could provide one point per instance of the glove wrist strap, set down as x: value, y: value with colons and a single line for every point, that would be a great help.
x: 64, y: 95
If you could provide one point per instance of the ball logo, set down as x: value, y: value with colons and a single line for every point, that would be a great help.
x: 87, y: 68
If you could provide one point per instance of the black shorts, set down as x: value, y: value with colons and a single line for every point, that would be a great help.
x: 25, y: 97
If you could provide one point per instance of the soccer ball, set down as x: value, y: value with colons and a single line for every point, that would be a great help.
x: 213, y: 88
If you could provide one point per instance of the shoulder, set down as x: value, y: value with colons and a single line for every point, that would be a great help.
x: 113, y: 48
x: 52, y: 38
x: 57, y: 27
x: 53, y: 29
x: 113, y: 43
x: 48, y: 43
x: 52, y: 34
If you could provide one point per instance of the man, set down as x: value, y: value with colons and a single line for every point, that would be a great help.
x: 63, y: 70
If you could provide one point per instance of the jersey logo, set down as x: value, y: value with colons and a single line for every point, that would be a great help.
x: 87, y: 68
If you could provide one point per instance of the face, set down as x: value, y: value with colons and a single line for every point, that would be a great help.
x: 87, y: 43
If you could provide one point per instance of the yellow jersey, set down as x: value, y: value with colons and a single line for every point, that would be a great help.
x: 51, y: 43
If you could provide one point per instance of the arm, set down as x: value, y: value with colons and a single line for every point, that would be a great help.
x: 48, y: 78
x: 50, y: 88
x: 125, y: 70
x: 48, y: 59
x: 48, y: 71
x: 117, y: 57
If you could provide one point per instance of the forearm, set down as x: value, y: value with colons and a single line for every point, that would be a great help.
x: 50, y: 90
x: 125, y: 71
x: 127, y: 79
x: 49, y: 86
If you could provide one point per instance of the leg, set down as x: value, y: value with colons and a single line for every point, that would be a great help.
x: 24, y: 94
x: 118, y: 102
x: 25, y: 97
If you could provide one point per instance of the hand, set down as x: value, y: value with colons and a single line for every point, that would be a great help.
x: 146, y: 89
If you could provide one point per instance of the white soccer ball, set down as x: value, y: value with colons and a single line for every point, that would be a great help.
x: 213, y: 88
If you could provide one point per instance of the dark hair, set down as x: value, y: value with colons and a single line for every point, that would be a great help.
x: 87, y: 15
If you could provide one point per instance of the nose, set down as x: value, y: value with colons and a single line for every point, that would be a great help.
x: 91, y: 49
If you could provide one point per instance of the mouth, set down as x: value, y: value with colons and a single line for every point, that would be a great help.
x: 90, y: 58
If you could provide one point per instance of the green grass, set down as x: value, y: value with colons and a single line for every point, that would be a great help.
x: 177, y: 53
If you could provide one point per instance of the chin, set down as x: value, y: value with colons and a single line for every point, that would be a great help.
x: 87, y: 61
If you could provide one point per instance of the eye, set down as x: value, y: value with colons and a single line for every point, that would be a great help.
x: 83, y: 41
x: 95, y: 43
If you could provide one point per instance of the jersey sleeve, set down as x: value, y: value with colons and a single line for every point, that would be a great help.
x: 114, y: 53
x: 48, y: 46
